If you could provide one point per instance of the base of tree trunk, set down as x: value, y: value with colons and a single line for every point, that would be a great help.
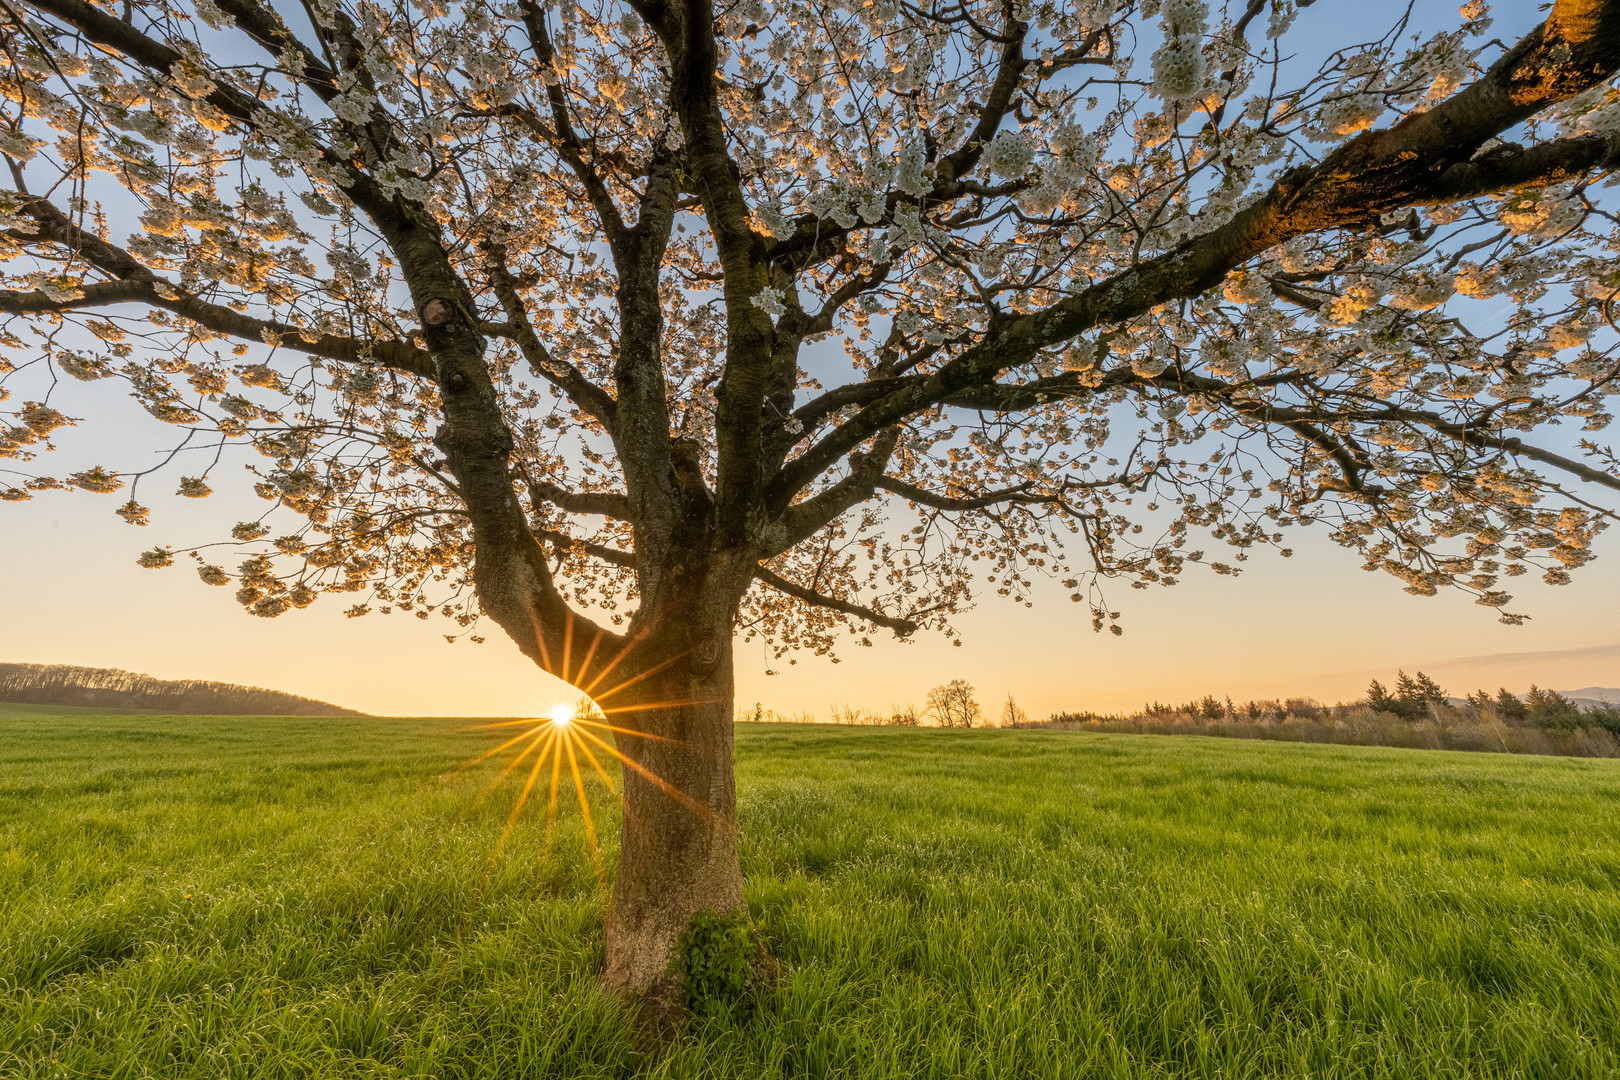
x: 678, y: 852
x: 661, y: 1012
x: 658, y: 1017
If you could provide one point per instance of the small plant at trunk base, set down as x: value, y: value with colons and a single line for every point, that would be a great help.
x: 715, y: 962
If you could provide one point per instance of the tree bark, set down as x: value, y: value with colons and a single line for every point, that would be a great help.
x: 678, y: 852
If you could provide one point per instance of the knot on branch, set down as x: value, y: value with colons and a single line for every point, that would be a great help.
x: 437, y: 312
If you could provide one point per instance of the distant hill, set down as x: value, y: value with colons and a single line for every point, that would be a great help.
x: 108, y: 689
x: 1587, y: 697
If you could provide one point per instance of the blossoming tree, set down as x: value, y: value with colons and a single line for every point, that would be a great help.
x: 634, y: 326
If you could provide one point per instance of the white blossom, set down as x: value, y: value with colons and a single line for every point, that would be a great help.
x: 273, y: 309
x: 1009, y: 154
x: 909, y: 176
x: 769, y: 300
x: 1178, y: 65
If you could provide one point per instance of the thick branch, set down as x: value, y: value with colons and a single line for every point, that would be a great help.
x: 643, y: 440
x: 902, y: 627
x: 607, y: 503
x: 513, y: 580
x: 1024, y: 493
x: 1373, y: 174
x: 1304, y: 421
x: 1512, y: 444
x: 566, y: 141
x: 812, y: 233
x: 1008, y: 73
x: 566, y: 377
x: 156, y: 56
x: 1512, y: 166
x: 687, y: 30
x: 561, y: 541
x: 138, y: 284
x: 805, y: 519
x: 160, y: 59
x: 266, y: 27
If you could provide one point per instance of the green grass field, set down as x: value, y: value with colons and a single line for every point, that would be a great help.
x: 238, y: 897
x: 11, y: 710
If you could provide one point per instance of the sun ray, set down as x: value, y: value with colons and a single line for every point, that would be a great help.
x: 501, y: 724
x: 582, y: 719
x: 585, y: 661
x: 551, y: 801
x: 585, y: 813
x: 523, y: 796
x: 624, y: 651
x: 649, y: 673
x: 629, y: 731
x: 491, y: 753
x: 539, y: 638
x: 597, y: 765
x: 568, y: 649
x: 672, y: 703
x: 539, y: 734
x: 659, y: 782
x: 570, y: 730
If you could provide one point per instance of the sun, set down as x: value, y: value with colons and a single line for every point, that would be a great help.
x: 570, y: 731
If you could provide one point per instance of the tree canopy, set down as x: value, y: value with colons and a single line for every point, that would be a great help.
x: 1011, y: 223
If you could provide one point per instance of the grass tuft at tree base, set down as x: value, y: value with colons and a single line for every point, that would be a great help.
x: 714, y: 961
x: 241, y: 897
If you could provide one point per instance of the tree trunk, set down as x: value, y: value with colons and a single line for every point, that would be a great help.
x: 678, y: 850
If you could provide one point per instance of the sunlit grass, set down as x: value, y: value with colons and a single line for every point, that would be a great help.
x: 200, y: 897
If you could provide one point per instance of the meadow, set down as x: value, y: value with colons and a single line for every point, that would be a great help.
x: 298, y: 897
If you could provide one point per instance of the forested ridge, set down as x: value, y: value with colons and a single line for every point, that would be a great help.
x: 65, y: 684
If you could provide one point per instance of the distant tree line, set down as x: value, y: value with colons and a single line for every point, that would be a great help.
x: 1415, y: 696
x: 846, y: 715
x: 64, y: 684
x: 951, y: 704
x: 1418, y: 696
x: 1414, y: 712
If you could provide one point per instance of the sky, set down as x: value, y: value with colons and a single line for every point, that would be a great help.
x: 1314, y: 625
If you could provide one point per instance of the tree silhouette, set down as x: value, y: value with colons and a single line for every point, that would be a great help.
x: 1013, y: 714
x: 953, y: 705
